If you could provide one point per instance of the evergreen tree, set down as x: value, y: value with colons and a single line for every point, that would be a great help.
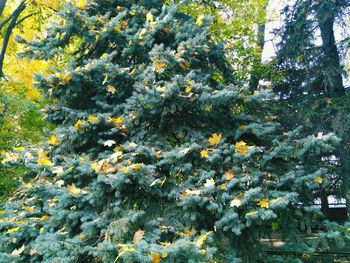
x: 158, y: 156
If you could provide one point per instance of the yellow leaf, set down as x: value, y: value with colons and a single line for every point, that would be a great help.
x: 20, y: 148
x: 81, y: 3
x: 116, y: 121
x: 188, y: 89
x: 158, y: 66
x: 276, y: 200
x: 29, y: 209
x: 241, y: 127
x: 136, y: 166
x: 215, y: 139
x: 252, y: 213
x: 241, y: 147
x: 124, y: 249
x: 149, y: 17
x: 2, y: 212
x: 202, y: 251
x: 318, y: 180
x: 125, y: 169
x: 44, y: 161
x: 229, y: 175
x: 92, y: 119
x: 111, y: 89
x: 44, y: 217
x: 53, y: 140
x: 202, y: 238
x: 124, y: 24
x: 264, y: 203
x: 155, y: 258
x: 78, y: 125
x: 223, y: 186
x: 95, y: 167
x: 161, y: 89
x: 158, y: 154
x: 12, y: 230
x: 75, y: 191
x: 42, y: 229
x: 200, y: 20
x: 185, y: 65
x: 204, y: 154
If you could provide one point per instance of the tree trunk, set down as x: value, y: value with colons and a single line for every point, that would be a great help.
x: 256, y: 70
x: 345, y: 171
x: 2, y: 6
x: 332, y: 75
x: 8, y: 33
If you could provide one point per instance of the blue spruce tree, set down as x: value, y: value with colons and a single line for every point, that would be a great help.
x: 159, y: 156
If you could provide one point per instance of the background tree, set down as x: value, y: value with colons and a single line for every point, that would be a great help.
x: 310, y: 82
x: 20, y: 102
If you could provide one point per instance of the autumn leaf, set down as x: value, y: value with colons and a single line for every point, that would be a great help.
x: 109, y: 143
x: 209, y: 183
x: 44, y: 161
x: 318, y: 180
x: 241, y: 147
x: 78, y: 125
x: 125, y: 169
x: 185, y: 65
x: 107, y: 168
x: 229, y: 175
x: 149, y: 17
x: 158, y: 66
x: 264, y: 203
x: 18, y: 251
x: 53, y: 140
x: 215, y: 139
x: 44, y: 217
x: 138, y: 236
x: 41, y: 230
x: 136, y: 167
x: 200, y: 20
x: 235, y: 203
x: 111, y: 89
x: 20, y: 148
x: 116, y: 121
x: 75, y: 191
x: 202, y: 238
x: 81, y: 3
x: 155, y: 258
x: 12, y: 230
x: 92, y: 119
x: 204, y: 154
x: 28, y: 209
x: 95, y: 167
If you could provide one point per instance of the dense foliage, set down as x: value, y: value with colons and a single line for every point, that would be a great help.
x: 158, y: 154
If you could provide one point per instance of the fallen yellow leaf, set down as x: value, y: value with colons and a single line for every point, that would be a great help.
x: 204, y: 154
x: 215, y: 139
x: 318, y: 180
x: 241, y: 147
x: 264, y: 203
